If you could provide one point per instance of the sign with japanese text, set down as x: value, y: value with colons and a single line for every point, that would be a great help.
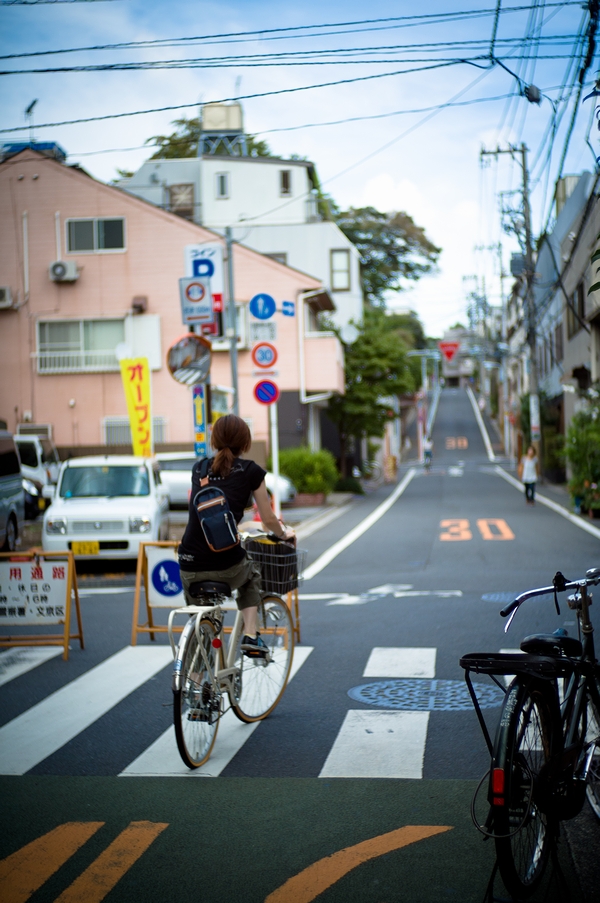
x: 135, y: 374
x: 206, y: 261
x: 263, y: 332
x: 199, y: 404
x: 36, y: 590
x: 196, y: 301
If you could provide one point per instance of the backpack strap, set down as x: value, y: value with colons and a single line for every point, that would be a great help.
x: 203, y: 473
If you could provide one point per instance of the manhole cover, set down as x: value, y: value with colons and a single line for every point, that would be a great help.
x: 501, y: 598
x: 414, y: 695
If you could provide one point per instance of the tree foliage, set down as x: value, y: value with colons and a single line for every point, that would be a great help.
x: 376, y: 368
x: 393, y: 250
x: 183, y: 142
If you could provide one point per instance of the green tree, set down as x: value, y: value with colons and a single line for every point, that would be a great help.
x: 183, y: 142
x: 393, y: 250
x: 376, y: 367
x: 407, y: 327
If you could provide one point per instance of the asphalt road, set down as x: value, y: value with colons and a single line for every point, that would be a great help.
x: 358, y: 786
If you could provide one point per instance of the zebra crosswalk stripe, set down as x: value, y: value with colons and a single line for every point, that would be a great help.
x: 40, y: 731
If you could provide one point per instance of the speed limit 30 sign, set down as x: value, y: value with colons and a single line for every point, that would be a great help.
x: 264, y: 355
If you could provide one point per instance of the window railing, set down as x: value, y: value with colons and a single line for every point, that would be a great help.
x: 76, y: 361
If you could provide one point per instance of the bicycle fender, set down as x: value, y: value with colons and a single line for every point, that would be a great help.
x: 178, y: 663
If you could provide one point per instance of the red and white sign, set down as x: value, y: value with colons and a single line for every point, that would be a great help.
x: 264, y: 355
x: 448, y: 349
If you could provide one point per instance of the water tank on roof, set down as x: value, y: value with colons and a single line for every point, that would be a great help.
x: 222, y: 117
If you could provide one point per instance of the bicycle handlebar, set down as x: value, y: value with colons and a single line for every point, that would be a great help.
x: 592, y: 578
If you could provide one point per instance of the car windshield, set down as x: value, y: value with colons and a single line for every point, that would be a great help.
x: 28, y: 454
x: 178, y: 464
x: 104, y: 480
x: 49, y: 453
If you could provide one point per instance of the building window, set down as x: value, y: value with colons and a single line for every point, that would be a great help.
x: 79, y: 346
x: 222, y: 184
x: 116, y: 430
x: 280, y: 257
x: 558, y: 342
x: 181, y: 200
x: 96, y: 235
x: 285, y: 181
x: 340, y: 271
x: 576, y: 311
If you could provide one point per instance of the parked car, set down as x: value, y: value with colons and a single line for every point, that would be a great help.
x: 35, y: 502
x: 176, y: 468
x: 104, y: 506
x: 12, y: 496
x: 40, y: 462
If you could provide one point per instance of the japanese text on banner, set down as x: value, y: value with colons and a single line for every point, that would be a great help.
x: 135, y: 373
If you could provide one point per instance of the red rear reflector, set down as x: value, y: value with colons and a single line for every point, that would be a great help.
x: 498, y: 781
x: 217, y: 643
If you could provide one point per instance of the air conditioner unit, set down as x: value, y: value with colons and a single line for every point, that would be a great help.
x: 63, y: 271
x: 6, y: 300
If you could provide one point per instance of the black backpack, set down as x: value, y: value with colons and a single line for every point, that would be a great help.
x: 215, y: 516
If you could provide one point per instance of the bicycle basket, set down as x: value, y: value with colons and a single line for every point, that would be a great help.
x: 281, y: 564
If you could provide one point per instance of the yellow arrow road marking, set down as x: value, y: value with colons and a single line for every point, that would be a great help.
x: 22, y: 873
x: 312, y: 881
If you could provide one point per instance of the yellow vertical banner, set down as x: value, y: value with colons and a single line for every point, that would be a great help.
x: 135, y: 373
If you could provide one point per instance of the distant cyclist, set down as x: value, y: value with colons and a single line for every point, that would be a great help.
x: 427, y: 452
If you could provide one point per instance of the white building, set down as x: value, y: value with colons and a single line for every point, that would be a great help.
x: 271, y: 205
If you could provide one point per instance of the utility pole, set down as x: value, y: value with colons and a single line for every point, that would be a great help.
x: 231, y: 319
x: 534, y: 402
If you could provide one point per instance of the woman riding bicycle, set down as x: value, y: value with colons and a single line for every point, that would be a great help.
x: 239, y: 479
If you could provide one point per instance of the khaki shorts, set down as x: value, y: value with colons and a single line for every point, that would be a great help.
x: 243, y: 576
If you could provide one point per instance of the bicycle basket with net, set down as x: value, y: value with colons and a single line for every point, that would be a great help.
x: 281, y: 564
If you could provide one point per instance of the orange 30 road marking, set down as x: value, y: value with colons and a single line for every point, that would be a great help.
x: 312, y: 881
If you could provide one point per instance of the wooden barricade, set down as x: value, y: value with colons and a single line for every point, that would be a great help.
x: 36, y: 588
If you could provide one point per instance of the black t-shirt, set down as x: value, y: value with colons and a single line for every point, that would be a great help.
x: 194, y: 554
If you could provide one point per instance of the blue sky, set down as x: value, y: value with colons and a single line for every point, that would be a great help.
x: 425, y: 163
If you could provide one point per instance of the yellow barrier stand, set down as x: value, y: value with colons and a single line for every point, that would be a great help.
x: 37, y: 589
x: 154, y: 599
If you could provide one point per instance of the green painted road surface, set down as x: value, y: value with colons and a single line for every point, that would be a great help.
x: 281, y: 840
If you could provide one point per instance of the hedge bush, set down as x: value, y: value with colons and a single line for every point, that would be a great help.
x: 309, y: 471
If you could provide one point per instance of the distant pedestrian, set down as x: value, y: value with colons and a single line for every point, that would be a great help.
x: 528, y: 474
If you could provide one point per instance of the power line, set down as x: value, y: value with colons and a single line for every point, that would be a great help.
x: 292, y: 31
x: 183, y: 106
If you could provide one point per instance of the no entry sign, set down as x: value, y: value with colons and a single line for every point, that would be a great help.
x: 264, y: 355
x: 266, y: 391
x: 448, y: 349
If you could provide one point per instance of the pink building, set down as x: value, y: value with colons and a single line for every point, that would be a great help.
x: 122, y: 259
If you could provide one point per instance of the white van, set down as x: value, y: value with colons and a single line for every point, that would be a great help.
x: 39, y: 458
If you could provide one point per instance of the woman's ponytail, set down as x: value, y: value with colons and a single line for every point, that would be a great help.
x: 230, y: 438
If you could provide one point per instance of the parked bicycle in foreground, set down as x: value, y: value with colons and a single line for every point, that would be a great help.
x: 546, y: 755
x: 210, y: 663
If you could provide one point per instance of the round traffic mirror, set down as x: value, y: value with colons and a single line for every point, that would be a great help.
x: 188, y: 359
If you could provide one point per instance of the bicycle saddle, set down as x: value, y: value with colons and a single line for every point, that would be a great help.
x: 203, y: 587
x: 552, y: 644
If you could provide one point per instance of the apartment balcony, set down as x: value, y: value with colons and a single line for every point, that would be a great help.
x: 76, y: 362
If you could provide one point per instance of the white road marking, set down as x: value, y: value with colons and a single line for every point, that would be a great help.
x: 443, y: 593
x: 347, y: 599
x: 313, y: 524
x: 41, y: 730
x: 337, y: 548
x: 481, y: 425
x: 375, y: 744
x: 106, y: 591
x: 574, y: 518
x: 388, y: 588
x: 311, y: 597
x: 403, y: 661
x: 455, y: 471
x: 162, y: 758
x: 19, y: 660
x: 508, y: 678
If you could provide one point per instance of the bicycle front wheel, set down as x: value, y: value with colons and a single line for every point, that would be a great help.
x: 593, y: 736
x: 260, y: 682
x: 196, y: 705
x: 524, y: 823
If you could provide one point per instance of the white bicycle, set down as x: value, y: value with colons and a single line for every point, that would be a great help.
x: 210, y: 665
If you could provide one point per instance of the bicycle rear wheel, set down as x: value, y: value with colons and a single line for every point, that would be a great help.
x: 261, y: 682
x: 524, y: 825
x: 593, y: 735
x: 196, y: 705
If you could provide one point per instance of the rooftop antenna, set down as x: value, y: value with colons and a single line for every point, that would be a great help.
x: 29, y: 115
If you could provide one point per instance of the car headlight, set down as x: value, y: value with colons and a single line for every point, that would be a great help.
x: 30, y: 487
x: 139, y: 524
x: 56, y: 525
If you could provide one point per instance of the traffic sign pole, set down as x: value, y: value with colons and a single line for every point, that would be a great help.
x: 274, y: 424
